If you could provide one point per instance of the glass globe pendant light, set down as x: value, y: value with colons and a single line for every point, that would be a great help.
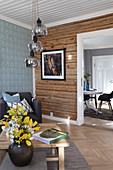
x: 31, y: 61
x: 39, y: 29
x: 36, y: 45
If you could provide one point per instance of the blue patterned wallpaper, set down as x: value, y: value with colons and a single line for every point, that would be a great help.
x: 14, y: 76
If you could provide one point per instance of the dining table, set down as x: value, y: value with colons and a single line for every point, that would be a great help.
x: 93, y: 95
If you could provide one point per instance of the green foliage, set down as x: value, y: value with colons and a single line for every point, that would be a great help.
x: 86, y: 76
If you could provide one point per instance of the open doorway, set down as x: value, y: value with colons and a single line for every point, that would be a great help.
x: 80, y: 64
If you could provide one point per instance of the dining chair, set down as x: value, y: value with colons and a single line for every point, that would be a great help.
x: 107, y: 98
x: 86, y: 98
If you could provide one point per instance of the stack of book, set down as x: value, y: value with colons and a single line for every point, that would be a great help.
x: 50, y: 136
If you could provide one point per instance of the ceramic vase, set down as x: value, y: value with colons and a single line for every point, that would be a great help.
x: 20, y: 154
x: 87, y: 85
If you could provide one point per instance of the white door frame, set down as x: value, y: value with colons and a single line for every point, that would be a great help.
x: 80, y: 68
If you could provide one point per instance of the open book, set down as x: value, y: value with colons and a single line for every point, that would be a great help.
x: 50, y: 136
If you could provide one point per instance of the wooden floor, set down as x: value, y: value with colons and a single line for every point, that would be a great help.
x: 95, y: 144
x: 103, y: 124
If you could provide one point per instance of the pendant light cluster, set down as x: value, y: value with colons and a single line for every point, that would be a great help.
x: 38, y: 31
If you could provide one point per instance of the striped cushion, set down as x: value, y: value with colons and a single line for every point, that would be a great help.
x: 26, y: 106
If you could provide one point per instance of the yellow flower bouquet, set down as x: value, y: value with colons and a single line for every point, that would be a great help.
x: 18, y: 126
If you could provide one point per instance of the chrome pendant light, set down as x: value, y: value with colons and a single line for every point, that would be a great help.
x: 39, y: 29
x: 37, y: 45
x: 31, y: 61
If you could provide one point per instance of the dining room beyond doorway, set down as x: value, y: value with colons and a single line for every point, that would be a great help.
x: 98, y: 62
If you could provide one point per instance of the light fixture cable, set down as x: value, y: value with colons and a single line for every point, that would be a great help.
x: 37, y: 10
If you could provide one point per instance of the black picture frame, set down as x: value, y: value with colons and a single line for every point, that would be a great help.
x: 53, y: 64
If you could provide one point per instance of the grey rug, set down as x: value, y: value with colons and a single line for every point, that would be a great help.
x: 105, y: 115
x: 73, y: 159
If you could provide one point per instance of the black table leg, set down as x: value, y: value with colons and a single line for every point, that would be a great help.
x: 95, y: 101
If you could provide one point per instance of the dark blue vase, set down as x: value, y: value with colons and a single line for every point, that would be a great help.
x: 84, y: 85
x: 87, y: 86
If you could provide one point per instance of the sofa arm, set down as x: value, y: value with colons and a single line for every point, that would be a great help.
x: 2, y: 108
x: 37, y: 109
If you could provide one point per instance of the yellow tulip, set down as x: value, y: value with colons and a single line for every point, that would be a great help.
x: 15, y: 132
x: 28, y: 136
x: 30, y: 123
x: 26, y: 120
x: 28, y: 143
x: 22, y: 110
x: 6, y: 124
x: 35, y: 123
x: 6, y: 116
x: 25, y: 113
x: 12, y: 117
x: 22, y: 130
x: 12, y: 111
x: 19, y: 133
x: 36, y: 128
x: 17, y: 108
x: 17, y: 141
x: 25, y: 136
x: 22, y: 137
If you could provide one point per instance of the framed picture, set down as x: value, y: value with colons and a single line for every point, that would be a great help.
x: 53, y: 65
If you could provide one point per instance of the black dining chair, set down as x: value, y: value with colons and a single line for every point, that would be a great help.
x: 107, y: 98
x: 86, y: 98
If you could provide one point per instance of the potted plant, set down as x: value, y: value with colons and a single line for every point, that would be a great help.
x: 86, y: 83
x: 19, y: 128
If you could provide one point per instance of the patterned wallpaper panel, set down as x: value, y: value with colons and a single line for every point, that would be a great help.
x: 14, y: 76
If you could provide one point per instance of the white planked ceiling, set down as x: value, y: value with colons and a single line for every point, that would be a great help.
x: 53, y: 12
x: 99, y: 42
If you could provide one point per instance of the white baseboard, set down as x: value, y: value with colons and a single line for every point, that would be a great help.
x: 63, y: 120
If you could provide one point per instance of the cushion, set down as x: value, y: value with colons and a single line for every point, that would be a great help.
x: 13, y: 105
x: 27, y: 96
x: 9, y: 98
x: 24, y: 104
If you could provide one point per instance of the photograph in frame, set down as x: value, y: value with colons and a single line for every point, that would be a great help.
x: 53, y: 65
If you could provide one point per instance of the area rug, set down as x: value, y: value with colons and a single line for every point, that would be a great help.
x: 73, y: 159
x: 106, y: 115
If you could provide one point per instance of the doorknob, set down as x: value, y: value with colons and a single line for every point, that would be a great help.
x: 111, y: 81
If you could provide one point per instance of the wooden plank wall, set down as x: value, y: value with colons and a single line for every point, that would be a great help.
x: 60, y: 97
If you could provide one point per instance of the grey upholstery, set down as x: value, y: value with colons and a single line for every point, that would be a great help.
x: 35, y: 104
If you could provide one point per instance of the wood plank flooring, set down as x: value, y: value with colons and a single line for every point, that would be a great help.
x: 99, y: 123
x: 95, y: 144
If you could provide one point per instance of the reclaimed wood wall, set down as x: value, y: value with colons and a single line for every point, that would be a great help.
x: 60, y: 97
